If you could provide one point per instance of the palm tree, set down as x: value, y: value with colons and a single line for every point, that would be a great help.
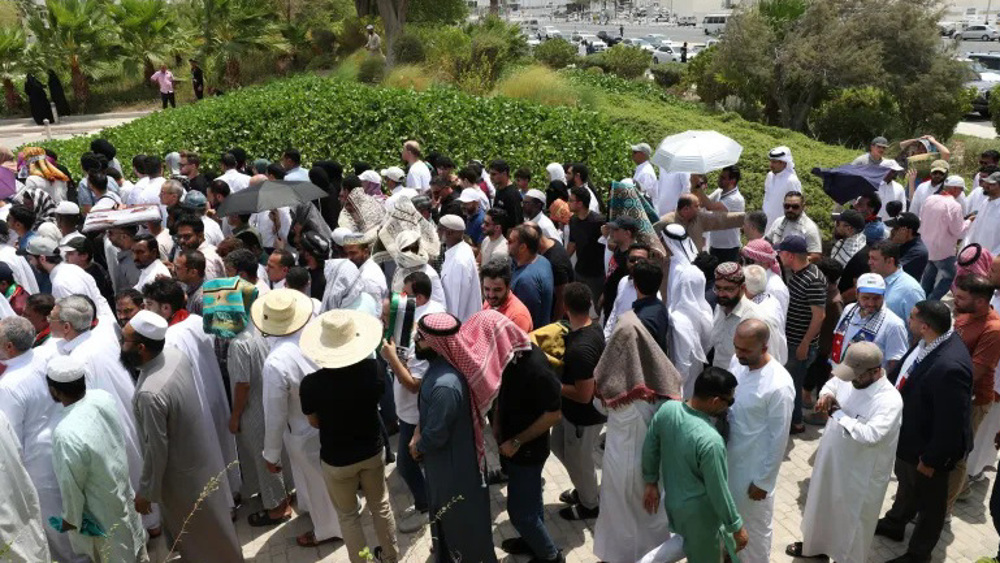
x: 12, y: 46
x: 145, y: 29
x: 235, y: 29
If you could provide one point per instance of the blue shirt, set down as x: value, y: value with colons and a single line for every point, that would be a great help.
x: 653, y: 315
x: 297, y: 174
x: 533, y: 285
x: 913, y: 257
x: 86, y: 196
x: 474, y: 227
x: 902, y: 292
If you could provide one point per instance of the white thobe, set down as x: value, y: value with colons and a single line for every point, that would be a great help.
x: 645, y: 177
x: 33, y: 415
x: 758, y: 434
x: 623, y: 303
x: 23, y: 274
x: 668, y: 189
x: 69, y: 279
x: 547, y: 227
x: 297, y: 174
x: 236, y: 180
x: 213, y: 232
x: 437, y: 289
x: 284, y: 424
x: 155, y: 270
x: 418, y: 176
x: 890, y: 191
x: 214, y: 266
x: 190, y: 338
x: 769, y: 311
x: 374, y: 282
x: 624, y: 531
x: 686, y: 351
x: 150, y: 192
x: 6, y: 310
x: 985, y: 230
x: 852, y: 470
x: 397, y: 193
x: 776, y: 288
x: 265, y: 226
x: 775, y: 188
x: 21, y: 517
x: 460, y: 280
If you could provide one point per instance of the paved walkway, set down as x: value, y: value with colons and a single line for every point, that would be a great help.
x: 969, y: 536
x: 17, y: 132
x: 977, y: 127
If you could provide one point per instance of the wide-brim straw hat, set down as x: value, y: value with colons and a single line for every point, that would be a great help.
x: 281, y: 312
x: 340, y: 338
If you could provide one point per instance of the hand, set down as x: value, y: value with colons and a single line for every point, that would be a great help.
x: 234, y: 424
x: 742, y: 538
x: 272, y: 467
x: 275, y: 220
x: 924, y: 470
x: 143, y: 506
x: 389, y: 351
x: 651, y: 498
x: 827, y: 404
x: 756, y: 493
x: 996, y: 441
x: 414, y: 452
x: 802, y: 352
x: 507, y: 449
x: 911, y: 175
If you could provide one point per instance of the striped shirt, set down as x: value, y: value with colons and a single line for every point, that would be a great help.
x: 806, y: 289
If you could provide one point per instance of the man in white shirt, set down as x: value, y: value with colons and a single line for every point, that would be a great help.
x: 195, y: 202
x: 890, y: 189
x: 758, y: 434
x: 939, y: 173
x: 395, y: 183
x: 418, y: 175
x: 644, y: 175
x: 533, y: 205
x: 459, y: 274
x: 67, y: 279
x: 191, y: 236
x: 725, y: 244
x: 357, y: 248
x: 278, y: 264
x: 985, y: 230
x: 146, y: 254
x: 291, y: 161
x: 494, y: 243
x: 236, y: 180
x: 778, y: 182
x: 732, y: 308
x: 795, y: 222
x: 626, y: 293
x: 668, y: 190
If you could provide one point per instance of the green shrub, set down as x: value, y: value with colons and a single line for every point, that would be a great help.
x: 372, y: 69
x: 409, y: 49
x: 353, y: 35
x: 669, y: 74
x: 414, y: 77
x: 625, y: 62
x: 853, y: 116
x: 556, y: 53
x: 541, y: 85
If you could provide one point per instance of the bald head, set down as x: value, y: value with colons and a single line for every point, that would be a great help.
x: 755, y: 329
x: 750, y: 343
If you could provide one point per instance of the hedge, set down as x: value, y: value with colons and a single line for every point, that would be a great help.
x: 328, y: 118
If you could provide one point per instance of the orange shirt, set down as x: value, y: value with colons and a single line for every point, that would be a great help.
x: 514, y: 310
x: 981, y: 335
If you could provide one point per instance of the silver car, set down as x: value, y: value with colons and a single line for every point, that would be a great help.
x: 980, y: 32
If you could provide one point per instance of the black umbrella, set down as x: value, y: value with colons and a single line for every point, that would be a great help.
x: 269, y: 194
x: 845, y: 183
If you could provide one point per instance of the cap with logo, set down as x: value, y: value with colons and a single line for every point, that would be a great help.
x: 905, y: 219
x: 871, y: 283
x: 940, y: 166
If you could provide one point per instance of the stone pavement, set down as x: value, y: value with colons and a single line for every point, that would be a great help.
x: 17, y: 132
x: 969, y: 536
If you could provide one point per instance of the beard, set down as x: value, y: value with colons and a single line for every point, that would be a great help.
x: 728, y: 302
x: 426, y: 354
x: 130, y: 358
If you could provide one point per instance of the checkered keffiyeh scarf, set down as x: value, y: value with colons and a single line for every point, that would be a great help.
x: 845, y: 249
x: 366, y: 213
x: 480, y: 350
x: 761, y: 252
x: 973, y: 259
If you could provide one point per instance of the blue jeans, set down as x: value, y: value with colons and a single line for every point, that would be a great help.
x: 938, y: 276
x: 525, y: 508
x: 798, y: 370
x: 409, y: 469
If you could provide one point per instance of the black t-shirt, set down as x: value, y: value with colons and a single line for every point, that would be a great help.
x: 529, y: 389
x: 583, y: 350
x: 199, y: 183
x: 562, y: 267
x: 102, y: 279
x: 585, y: 234
x: 509, y: 199
x: 449, y: 206
x: 317, y: 283
x: 857, y: 265
x: 345, y: 400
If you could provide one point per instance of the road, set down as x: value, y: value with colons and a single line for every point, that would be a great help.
x: 17, y: 132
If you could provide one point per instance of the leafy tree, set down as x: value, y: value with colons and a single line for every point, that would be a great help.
x: 12, y: 46
x: 144, y: 30
x: 556, y: 53
x: 237, y: 29
x: 449, y: 12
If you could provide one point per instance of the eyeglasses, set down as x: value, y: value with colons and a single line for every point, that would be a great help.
x: 792, y: 206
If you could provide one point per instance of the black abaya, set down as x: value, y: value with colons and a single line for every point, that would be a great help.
x: 58, y: 93
x: 37, y: 100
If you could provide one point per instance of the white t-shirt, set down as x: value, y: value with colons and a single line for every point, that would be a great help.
x: 727, y: 238
x: 418, y: 176
x: 490, y: 249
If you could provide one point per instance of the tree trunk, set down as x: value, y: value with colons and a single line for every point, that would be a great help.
x: 393, y: 14
x: 148, y: 70
x: 233, y: 72
x: 366, y: 8
x: 81, y: 88
x: 11, y: 97
x: 495, y: 7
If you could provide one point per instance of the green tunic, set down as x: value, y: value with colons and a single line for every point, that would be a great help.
x: 684, y: 447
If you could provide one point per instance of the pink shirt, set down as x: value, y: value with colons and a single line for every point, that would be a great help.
x: 165, y: 80
x: 942, y: 224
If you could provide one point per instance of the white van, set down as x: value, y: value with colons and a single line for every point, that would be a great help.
x: 714, y: 24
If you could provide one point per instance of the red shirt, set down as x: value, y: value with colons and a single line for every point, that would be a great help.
x: 981, y: 335
x: 514, y: 310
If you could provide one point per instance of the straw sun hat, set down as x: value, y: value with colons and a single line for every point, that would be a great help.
x: 340, y: 338
x: 281, y: 312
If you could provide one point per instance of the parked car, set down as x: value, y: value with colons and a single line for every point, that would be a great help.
x: 981, y: 32
x: 654, y: 38
x: 641, y: 43
x: 989, y: 60
x: 665, y: 54
x: 983, y: 80
x: 610, y: 39
x: 687, y: 21
x: 596, y: 44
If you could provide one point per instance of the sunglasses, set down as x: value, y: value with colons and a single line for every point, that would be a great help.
x: 792, y: 206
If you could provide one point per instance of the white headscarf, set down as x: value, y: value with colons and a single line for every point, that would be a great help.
x: 783, y: 154
x: 686, y: 284
x: 556, y: 172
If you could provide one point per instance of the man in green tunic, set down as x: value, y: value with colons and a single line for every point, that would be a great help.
x: 684, y: 447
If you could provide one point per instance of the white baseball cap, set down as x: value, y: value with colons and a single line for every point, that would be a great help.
x: 469, y: 195
x: 370, y: 176
x: 871, y: 283
x: 394, y: 173
x: 891, y: 164
x: 954, y: 181
x: 67, y: 208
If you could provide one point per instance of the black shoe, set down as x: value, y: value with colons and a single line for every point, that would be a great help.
x: 579, y: 512
x: 886, y: 530
x: 515, y: 546
x: 496, y: 477
x: 907, y: 558
x: 559, y: 558
x: 570, y: 497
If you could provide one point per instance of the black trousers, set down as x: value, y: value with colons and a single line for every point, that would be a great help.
x: 995, y: 508
x: 925, y: 498
x: 168, y: 99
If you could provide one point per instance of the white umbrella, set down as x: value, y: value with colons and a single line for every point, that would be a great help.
x: 696, y: 152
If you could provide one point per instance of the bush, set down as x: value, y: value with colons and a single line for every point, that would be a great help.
x: 372, y: 69
x: 556, y: 53
x: 853, y: 116
x: 625, y: 62
x: 544, y: 86
x: 414, y: 77
x: 669, y: 74
x: 409, y: 49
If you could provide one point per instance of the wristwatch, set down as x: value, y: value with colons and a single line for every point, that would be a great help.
x: 516, y: 443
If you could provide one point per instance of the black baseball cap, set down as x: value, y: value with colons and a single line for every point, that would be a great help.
x: 905, y: 219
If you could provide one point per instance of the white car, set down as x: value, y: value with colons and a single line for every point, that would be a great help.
x: 980, y: 32
x: 551, y: 33
x: 640, y: 43
x: 594, y: 41
x: 665, y: 54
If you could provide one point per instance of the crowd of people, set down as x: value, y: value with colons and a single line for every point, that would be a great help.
x: 160, y: 374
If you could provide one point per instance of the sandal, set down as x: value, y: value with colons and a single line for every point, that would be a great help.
x: 308, y: 539
x: 263, y: 518
x: 795, y: 550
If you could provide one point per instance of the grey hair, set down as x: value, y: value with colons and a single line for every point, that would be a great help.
x: 174, y: 187
x: 756, y: 279
x: 77, y: 311
x: 19, y: 332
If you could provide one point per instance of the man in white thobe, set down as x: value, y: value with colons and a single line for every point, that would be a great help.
x: 88, y: 453
x: 854, y: 460
x: 21, y: 518
x: 668, y: 190
x: 890, y: 190
x: 690, y: 313
x: 758, y: 433
x: 281, y: 315
x: 644, y: 175
x: 357, y: 248
x: 186, y: 333
x: 32, y: 414
x: 732, y: 308
x: 236, y: 180
x: 984, y: 229
x: 533, y: 205
x: 146, y: 254
x: 18, y: 264
x: 459, y: 274
x: 67, y: 279
x: 769, y: 309
x: 778, y: 182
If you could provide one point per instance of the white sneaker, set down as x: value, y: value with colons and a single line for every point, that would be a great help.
x: 415, y: 522
x: 408, y: 513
